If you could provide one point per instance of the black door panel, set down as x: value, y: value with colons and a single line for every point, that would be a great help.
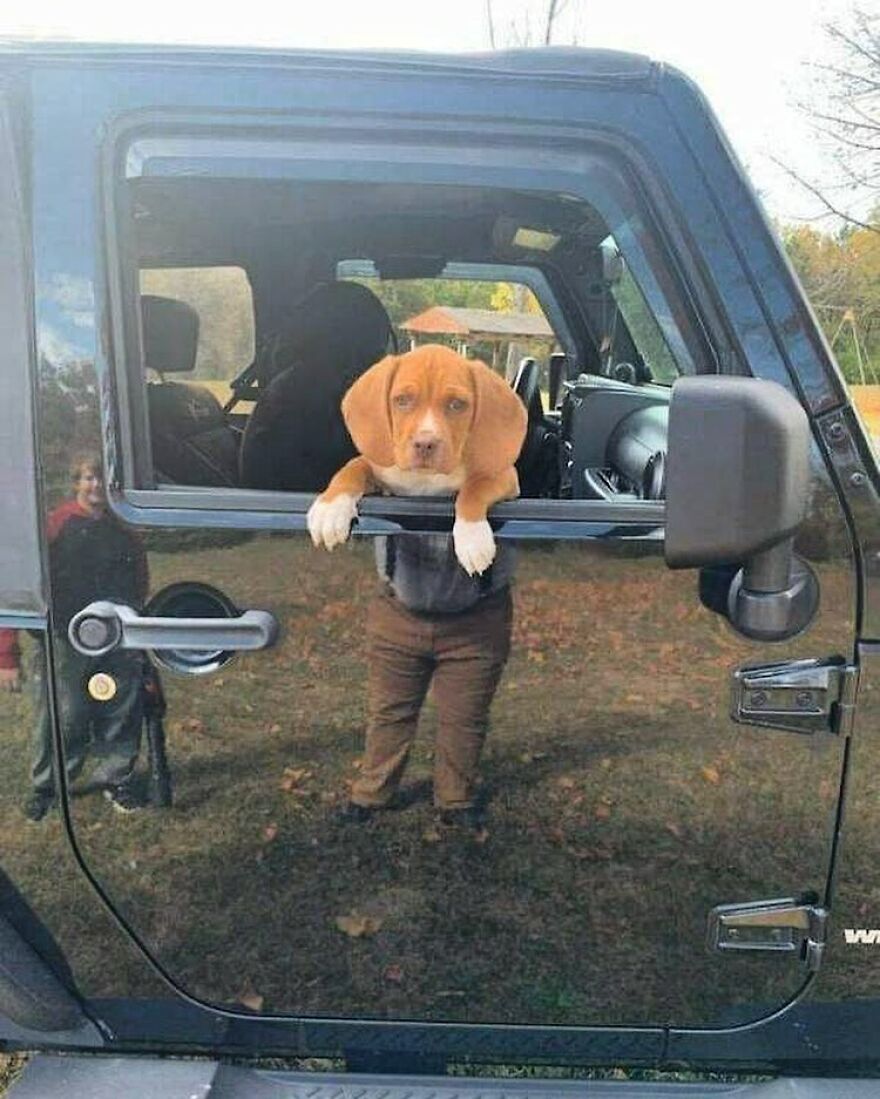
x: 623, y: 806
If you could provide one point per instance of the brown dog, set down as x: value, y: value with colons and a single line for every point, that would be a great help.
x: 428, y: 423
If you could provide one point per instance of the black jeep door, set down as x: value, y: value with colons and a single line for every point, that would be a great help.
x: 623, y: 805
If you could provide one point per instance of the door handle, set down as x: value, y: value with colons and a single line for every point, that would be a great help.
x: 103, y: 626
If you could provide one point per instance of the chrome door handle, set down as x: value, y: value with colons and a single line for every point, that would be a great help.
x: 103, y: 626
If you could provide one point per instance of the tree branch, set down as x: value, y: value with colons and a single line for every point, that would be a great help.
x: 844, y: 74
x: 843, y: 140
x: 872, y: 127
x: 551, y: 15
x: 830, y: 207
x: 857, y: 109
x: 835, y: 32
x: 867, y: 183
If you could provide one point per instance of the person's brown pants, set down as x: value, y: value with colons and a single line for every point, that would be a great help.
x: 464, y: 655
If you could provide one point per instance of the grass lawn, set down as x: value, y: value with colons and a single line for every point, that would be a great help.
x: 10, y: 1067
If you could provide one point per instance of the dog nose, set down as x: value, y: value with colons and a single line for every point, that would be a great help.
x: 425, y: 446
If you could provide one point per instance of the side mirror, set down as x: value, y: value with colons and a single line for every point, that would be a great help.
x: 737, y: 490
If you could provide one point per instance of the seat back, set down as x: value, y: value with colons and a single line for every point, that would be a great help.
x: 296, y: 439
x: 191, y: 440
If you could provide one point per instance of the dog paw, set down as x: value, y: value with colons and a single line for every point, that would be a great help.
x: 474, y: 545
x: 329, y: 522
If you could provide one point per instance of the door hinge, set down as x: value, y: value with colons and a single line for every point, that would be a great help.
x: 788, y: 926
x: 800, y: 696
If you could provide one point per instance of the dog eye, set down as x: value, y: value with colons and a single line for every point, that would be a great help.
x: 456, y: 404
x: 403, y: 400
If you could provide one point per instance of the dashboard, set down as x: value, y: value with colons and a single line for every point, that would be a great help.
x: 614, y: 434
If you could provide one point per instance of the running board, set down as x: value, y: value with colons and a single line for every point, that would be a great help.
x: 48, y: 1076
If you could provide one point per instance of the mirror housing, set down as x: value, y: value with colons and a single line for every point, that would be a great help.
x: 737, y: 491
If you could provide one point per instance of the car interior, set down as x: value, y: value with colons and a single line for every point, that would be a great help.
x: 598, y: 402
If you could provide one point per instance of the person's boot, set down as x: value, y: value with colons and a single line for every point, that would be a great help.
x: 123, y: 798
x: 38, y: 804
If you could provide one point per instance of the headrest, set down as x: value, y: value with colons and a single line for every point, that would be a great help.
x: 171, y: 334
x: 340, y: 326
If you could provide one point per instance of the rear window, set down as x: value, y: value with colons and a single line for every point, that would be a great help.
x: 223, y: 301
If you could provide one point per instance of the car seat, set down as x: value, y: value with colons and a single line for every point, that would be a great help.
x: 192, y: 442
x: 296, y: 439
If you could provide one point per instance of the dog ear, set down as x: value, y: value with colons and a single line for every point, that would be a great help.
x: 366, y: 409
x: 499, y: 425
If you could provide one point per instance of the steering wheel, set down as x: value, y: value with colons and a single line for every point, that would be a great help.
x: 533, y: 458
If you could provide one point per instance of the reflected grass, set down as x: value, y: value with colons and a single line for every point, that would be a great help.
x: 622, y: 804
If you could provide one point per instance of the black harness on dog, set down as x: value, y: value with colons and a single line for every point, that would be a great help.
x: 484, y: 579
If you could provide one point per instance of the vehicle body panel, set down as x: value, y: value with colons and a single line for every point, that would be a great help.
x: 551, y: 106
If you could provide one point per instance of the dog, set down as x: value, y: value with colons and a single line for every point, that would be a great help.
x: 428, y: 423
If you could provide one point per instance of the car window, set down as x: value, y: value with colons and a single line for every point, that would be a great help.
x: 223, y: 302
x: 647, y: 336
x: 247, y: 362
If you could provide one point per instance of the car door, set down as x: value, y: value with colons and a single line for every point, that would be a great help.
x: 626, y: 812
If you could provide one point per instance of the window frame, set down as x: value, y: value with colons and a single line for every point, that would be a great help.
x: 142, y: 150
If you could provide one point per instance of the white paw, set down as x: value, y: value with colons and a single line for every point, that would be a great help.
x: 474, y: 545
x: 330, y: 522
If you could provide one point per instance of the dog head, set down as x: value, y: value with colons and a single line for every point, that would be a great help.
x: 432, y: 411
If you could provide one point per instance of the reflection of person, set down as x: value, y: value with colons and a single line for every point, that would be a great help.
x: 10, y: 657
x: 432, y: 624
x: 91, y: 556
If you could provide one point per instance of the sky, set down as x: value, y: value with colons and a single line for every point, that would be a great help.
x: 751, y: 57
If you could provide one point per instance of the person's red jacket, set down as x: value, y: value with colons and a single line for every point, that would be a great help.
x: 10, y: 651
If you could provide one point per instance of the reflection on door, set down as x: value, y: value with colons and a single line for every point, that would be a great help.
x: 43, y: 892
x: 622, y: 805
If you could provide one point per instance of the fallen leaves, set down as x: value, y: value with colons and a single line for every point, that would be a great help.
x: 187, y: 725
x: 292, y: 779
x: 711, y: 774
x: 252, y: 1000
x: 270, y: 832
x: 594, y: 853
x: 357, y: 925
x: 393, y: 973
